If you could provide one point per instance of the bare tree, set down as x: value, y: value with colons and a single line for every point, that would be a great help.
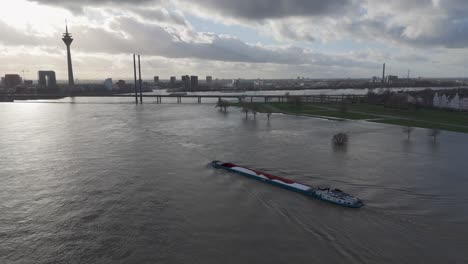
x: 434, y: 133
x: 298, y: 101
x: 254, y: 112
x: 408, y: 130
x: 340, y: 139
x: 344, y: 106
x: 254, y: 108
x: 246, y: 111
x: 222, y: 105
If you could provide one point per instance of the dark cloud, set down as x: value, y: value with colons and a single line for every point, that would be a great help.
x: 246, y: 9
x: 132, y: 36
x: 160, y: 16
x: 449, y: 32
x: 77, y: 6
x: 152, y: 39
x: 263, y: 9
x: 418, y: 23
x: 156, y: 40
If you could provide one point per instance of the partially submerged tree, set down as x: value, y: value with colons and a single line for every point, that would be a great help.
x: 298, y: 100
x: 340, y: 139
x: 408, y: 130
x: 222, y: 105
x: 254, y: 110
x: 246, y: 111
x: 434, y: 133
x: 344, y: 106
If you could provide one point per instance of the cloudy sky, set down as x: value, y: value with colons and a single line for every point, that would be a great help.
x: 237, y: 38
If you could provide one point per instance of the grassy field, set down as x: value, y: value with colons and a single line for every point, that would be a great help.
x: 306, y: 109
x: 424, y: 118
x: 424, y: 115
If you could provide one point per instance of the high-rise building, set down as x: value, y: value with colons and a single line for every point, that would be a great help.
x: 194, y: 82
x: 120, y: 85
x: 173, y: 81
x: 67, y: 39
x: 209, y: 80
x: 186, y: 83
x: 392, y: 79
x: 12, y: 80
x: 47, y: 80
x: 109, y: 84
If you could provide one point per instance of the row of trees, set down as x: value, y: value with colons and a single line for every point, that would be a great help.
x: 434, y: 133
x: 342, y: 139
x: 245, y: 108
x: 254, y: 109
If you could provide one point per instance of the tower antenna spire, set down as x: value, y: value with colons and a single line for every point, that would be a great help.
x: 67, y: 39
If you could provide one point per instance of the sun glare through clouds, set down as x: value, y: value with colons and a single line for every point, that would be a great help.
x: 33, y: 18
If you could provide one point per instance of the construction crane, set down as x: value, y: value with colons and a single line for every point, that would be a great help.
x: 23, y: 71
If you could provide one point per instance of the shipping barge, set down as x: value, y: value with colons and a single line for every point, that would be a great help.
x: 334, y: 196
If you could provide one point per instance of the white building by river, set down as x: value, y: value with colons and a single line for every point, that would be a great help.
x: 451, y: 102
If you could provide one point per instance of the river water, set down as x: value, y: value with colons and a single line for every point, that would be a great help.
x: 105, y: 181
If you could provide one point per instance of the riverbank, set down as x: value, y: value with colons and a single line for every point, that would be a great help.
x: 423, y: 118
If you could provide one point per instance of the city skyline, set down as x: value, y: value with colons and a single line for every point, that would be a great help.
x: 241, y: 39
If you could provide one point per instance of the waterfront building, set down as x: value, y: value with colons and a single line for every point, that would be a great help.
x: 193, y: 82
x: 455, y: 102
x: 12, y: 80
x: 173, y: 81
x: 186, y: 83
x: 392, y: 79
x: 109, y: 84
x: 47, y: 80
x: 120, y: 85
x: 209, y: 80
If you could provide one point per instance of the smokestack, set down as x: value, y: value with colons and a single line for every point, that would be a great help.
x: 139, y: 78
x: 383, y: 74
x: 134, y: 74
